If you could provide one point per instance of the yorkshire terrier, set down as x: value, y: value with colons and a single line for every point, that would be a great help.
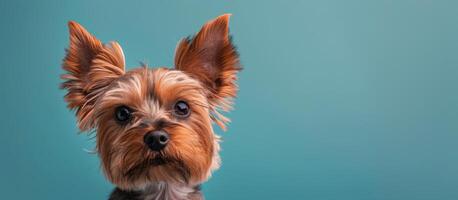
x: 153, y: 127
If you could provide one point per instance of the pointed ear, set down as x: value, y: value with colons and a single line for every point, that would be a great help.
x: 211, y: 58
x: 90, y: 67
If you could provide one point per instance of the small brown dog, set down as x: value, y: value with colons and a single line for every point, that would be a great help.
x: 154, y: 126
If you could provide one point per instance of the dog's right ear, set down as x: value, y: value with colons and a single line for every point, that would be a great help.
x: 90, y: 67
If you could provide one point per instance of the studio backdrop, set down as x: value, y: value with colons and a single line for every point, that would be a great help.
x: 339, y: 100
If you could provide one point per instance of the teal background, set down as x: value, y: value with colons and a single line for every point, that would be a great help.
x: 339, y: 99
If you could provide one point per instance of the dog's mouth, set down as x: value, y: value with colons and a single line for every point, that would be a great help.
x: 143, y: 167
x: 157, y: 161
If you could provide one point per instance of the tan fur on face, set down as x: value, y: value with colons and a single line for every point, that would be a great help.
x: 204, y: 77
x: 151, y: 94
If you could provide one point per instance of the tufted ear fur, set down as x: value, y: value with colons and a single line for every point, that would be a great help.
x: 211, y: 58
x: 90, y: 67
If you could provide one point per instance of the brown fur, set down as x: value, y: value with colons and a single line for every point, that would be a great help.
x: 205, y: 75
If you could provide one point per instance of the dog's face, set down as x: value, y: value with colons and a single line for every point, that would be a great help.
x: 153, y: 124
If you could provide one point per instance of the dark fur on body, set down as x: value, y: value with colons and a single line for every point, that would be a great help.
x: 119, y: 194
x: 203, y: 80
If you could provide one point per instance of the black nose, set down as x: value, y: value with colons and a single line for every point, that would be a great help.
x: 156, y: 140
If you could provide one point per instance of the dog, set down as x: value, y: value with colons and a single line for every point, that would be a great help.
x: 153, y: 126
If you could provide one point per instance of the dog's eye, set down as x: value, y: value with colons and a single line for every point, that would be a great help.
x: 123, y: 114
x: 181, y: 109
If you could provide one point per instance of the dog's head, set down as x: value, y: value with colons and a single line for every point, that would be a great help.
x: 153, y: 124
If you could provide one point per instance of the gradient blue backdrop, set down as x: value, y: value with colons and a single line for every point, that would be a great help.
x: 339, y: 99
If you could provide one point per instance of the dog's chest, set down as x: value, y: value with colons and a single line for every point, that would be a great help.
x: 159, y: 191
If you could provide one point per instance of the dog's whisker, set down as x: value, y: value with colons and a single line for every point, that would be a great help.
x: 93, y: 151
x: 198, y: 104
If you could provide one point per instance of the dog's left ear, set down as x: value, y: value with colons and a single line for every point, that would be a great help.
x: 211, y: 58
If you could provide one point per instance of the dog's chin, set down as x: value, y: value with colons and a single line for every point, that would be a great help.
x: 158, y: 169
x: 158, y: 161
